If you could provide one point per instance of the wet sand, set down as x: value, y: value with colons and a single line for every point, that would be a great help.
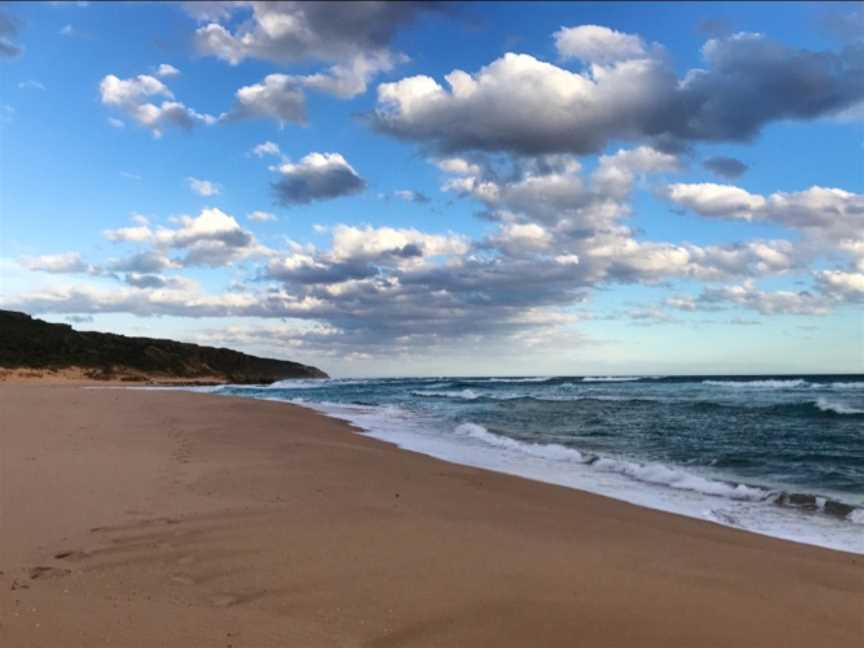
x: 148, y: 518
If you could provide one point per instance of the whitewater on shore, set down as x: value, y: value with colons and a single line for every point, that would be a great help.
x: 776, y: 455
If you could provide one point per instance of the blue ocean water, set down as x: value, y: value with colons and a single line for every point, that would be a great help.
x: 780, y: 455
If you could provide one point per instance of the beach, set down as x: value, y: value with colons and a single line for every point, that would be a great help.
x: 166, y: 518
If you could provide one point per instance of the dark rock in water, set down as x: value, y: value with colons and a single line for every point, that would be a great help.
x: 798, y: 500
x: 27, y: 343
x: 838, y: 509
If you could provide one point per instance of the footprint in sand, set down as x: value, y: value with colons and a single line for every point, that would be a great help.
x: 224, y: 600
x: 72, y: 554
x: 43, y: 572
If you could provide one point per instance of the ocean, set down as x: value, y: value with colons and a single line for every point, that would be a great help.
x: 777, y: 455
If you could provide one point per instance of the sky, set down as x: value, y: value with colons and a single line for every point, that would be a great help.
x: 422, y: 188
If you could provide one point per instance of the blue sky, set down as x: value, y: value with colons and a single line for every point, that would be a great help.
x: 489, y: 188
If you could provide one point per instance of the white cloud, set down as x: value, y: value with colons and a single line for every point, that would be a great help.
x: 595, y: 43
x: 203, y: 187
x: 122, y: 92
x: 351, y: 242
x: 567, y: 259
x: 136, y: 234
x: 458, y: 166
x: 292, y: 32
x: 116, y: 123
x: 825, y: 216
x: 710, y: 199
x: 517, y: 239
x: 68, y: 262
x: 318, y: 176
x: 410, y: 195
x: 846, y: 285
x: 277, y: 97
x: 259, y: 216
x: 167, y: 70
x: 766, y: 303
x: 266, y: 148
x: 352, y: 42
x: 31, y: 85
x: 131, y: 95
x: 350, y: 79
x: 521, y: 105
x: 213, y: 238
x: 616, y: 173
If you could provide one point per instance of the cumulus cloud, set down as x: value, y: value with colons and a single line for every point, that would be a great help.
x: 747, y: 295
x: 346, y: 80
x: 167, y: 70
x: 616, y: 173
x: 147, y: 280
x: 213, y: 238
x: 281, y: 96
x: 595, y: 43
x: 522, y: 105
x: 266, y: 148
x: 458, y: 166
x: 318, y: 176
x: 548, y: 211
x: 358, y: 253
x: 823, y: 215
x: 120, y: 92
x: 710, y: 199
x: 129, y: 234
x: 370, y: 243
x: 69, y: 262
x: 133, y: 97
x: 203, y: 187
x: 291, y: 32
x: 725, y: 167
x: 351, y: 40
x: 259, y: 216
x: 277, y: 97
x: 848, y: 286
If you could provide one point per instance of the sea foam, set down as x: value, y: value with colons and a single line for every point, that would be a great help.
x: 757, y: 384
x: 827, y: 405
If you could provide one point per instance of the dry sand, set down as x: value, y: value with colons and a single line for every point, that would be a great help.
x: 163, y: 519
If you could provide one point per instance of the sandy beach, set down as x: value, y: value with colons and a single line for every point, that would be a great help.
x: 158, y: 518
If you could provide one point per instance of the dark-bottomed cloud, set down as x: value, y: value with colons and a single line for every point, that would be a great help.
x: 726, y: 167
x: 519, y: 104
x: 318, y: 176
x: 8, y: 31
